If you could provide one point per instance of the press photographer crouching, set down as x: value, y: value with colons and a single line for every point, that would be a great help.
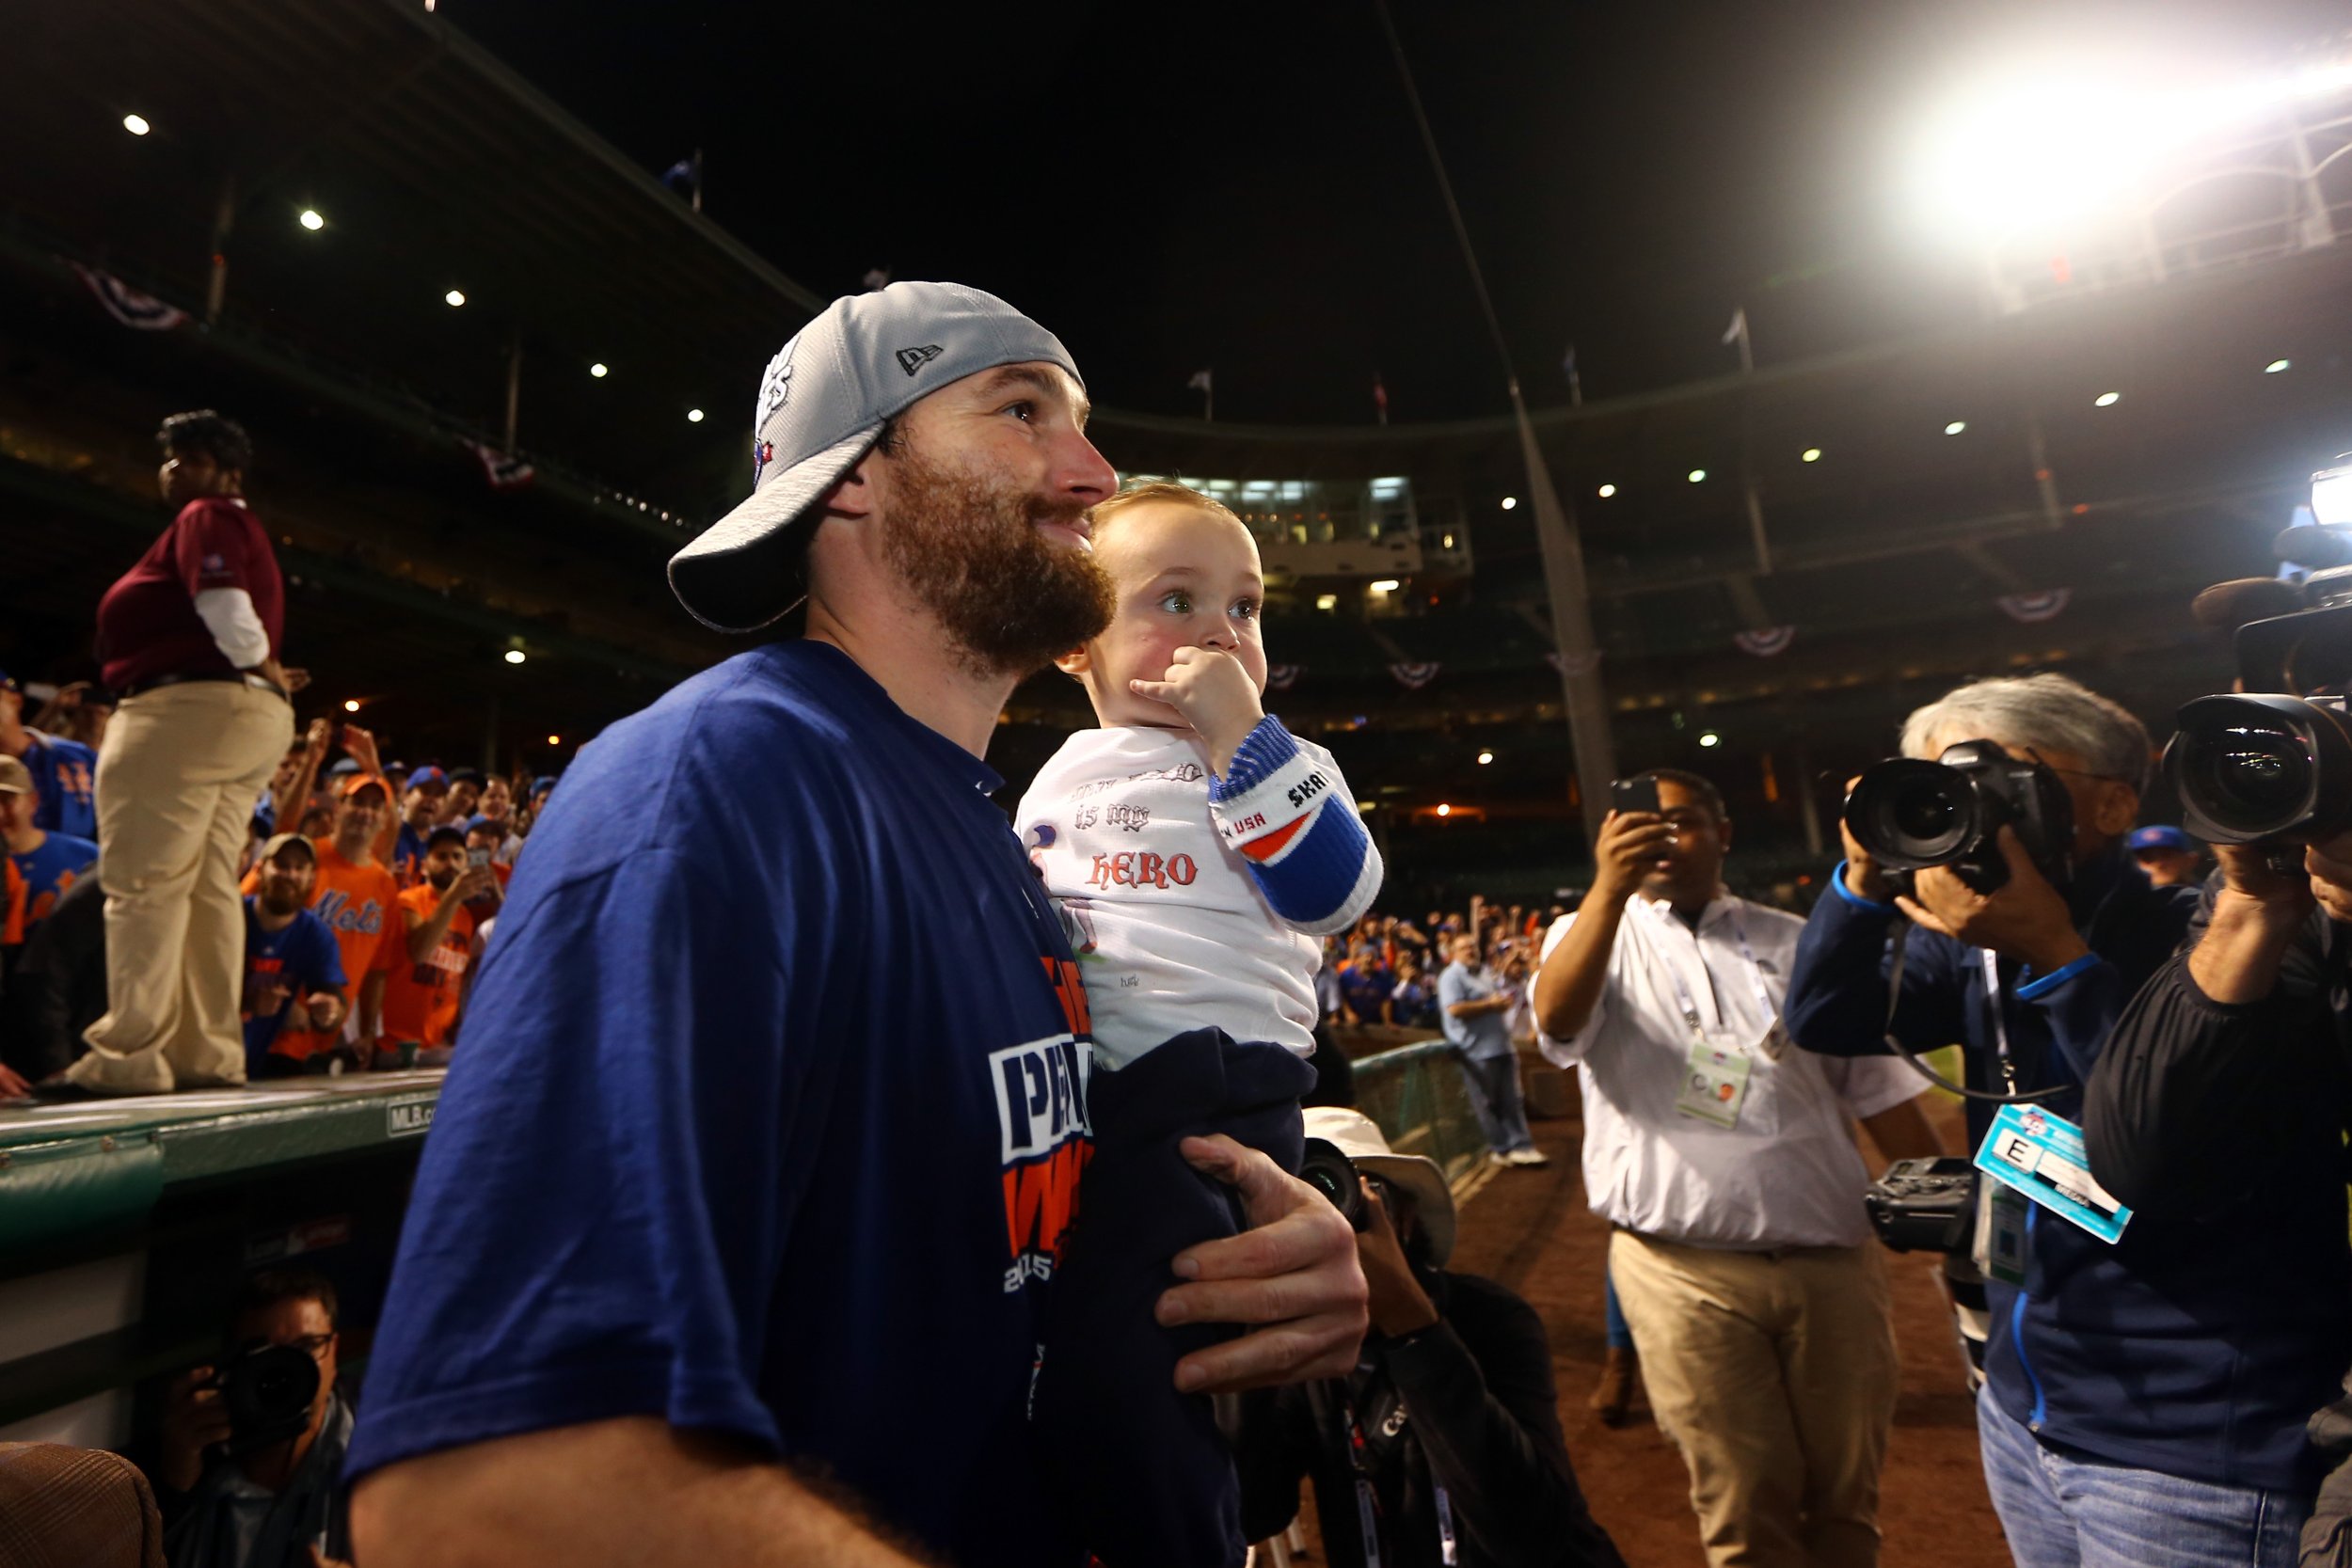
x: 1446, y: 1439
x: 250, y: 1473
x: 2219, y: 1110
x: 2115, y: 1424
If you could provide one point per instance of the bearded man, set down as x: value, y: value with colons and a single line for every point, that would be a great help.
x: 762, y: 1150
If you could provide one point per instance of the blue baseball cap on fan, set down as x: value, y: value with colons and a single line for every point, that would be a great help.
x: 2159, y: 837
x: 862, y: 361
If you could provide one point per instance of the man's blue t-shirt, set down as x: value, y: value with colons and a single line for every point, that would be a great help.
x: 769, y: 1118
x: 1480, y: 1036
x: 301, y: 956
x: 64, y: 774
x: 51, y: 869
x: 1366, y: 986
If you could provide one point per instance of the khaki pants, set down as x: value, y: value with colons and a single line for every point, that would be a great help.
x: 1775, y: 1374
x: 178, y: 777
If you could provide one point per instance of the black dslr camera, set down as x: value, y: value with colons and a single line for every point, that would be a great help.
x: 1925, y: 1205
x: 1910, y: 814
x: 267, y: 1390
x: 1333, y: 1174
x: 2272, y: 762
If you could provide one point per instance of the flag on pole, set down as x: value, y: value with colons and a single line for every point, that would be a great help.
x: 1738, y: 333
x: 1205, y: 384
x: 1381, y: 397
x: 141, y: 312
x: 504, y: 470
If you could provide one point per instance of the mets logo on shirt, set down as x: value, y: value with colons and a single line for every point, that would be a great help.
x: 1044, y: 1141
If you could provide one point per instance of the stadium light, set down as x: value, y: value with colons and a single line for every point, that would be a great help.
x: 2332, y: 491
x: 1485, y: 757
x: 1695, y: 475
x: 514, y: 655
x: 599, y: 370
x: 453, y: 298
x: 1386, y: 585
x: 693, y: 416
x: 555, y: 740
x: 1812, y: 454
x: 1710, y: 740
x: 2107, y: 400
x: 1327, y: 601
x: 1444, y: 810
x: 351, y: 704
x: 2276, y: 366
x: 2053, y: 146
x: 1955, y: 427
x: 137, y: 124
x: 1510, y: 501
x: 1607, y: 491
x: 311, y: 220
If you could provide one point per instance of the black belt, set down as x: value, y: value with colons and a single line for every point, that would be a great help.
x: 156, y: 682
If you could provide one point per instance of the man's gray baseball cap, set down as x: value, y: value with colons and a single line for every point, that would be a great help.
x: 863, y: 361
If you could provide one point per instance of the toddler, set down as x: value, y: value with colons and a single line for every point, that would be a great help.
x: 1199, y: 852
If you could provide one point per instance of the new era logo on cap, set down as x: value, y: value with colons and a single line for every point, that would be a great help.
x: 822, y: 401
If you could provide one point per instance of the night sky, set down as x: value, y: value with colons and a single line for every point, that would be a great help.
x: 1239, y: 186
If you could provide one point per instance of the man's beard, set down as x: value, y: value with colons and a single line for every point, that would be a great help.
x: 277, y: 904
x: 442, y: 881
x: 971, y: 553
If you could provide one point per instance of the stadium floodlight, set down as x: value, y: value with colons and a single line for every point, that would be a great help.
x: 1607, y: 491
x: 555, y: 740
x: 1444, y: 810
x: 1696, y: 476
x: 1485, y: 757
x: 1812, y: 454
x: 693, y: 416
x: 1955, y: 427
x: 514, y: 655
x: 2276, y: 366
x: 1327, y: 601
x: 1711, y: 739
x: 2332, y: 491
x: 1510, y: 501
x: 453, y: 298
x: 311, y: 220
x: 137, y: 124
x: 599, y: 369
x: 2050, y: 147
x: 2107, y: 400
x: 1386, y: 585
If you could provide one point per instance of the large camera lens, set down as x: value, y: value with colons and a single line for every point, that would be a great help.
x: 2249, y: 769
x: 1909, y: 813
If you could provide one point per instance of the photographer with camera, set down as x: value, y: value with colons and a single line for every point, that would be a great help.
x: 250, y: 1470
x: 1726, y: 1163
x: 1446, y: 1438
x: 2031, y: 928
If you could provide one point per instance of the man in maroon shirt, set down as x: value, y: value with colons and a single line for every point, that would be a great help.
x: 189, y: 641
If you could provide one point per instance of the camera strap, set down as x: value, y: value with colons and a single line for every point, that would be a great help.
x: 1896, y: 944
x: 2000, y: 1022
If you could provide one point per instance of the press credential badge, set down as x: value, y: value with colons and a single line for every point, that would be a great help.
x: 2041, y: 1155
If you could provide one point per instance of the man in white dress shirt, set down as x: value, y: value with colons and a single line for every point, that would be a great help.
x: 1724, y: 1158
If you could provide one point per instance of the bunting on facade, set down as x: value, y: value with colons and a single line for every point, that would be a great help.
x: 1765, y: 641
x: 126, y: 305
x: 503, y: 469
x: 2029, y: 608
x: 1412, y: 678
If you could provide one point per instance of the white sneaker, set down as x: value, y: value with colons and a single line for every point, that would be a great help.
x: 1527, y: 1157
